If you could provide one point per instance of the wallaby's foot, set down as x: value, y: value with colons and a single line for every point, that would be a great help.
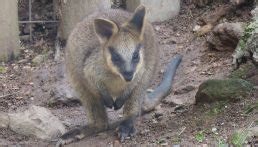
x: 74, y: 135
x: 126, y: 129
x: 69, y: 137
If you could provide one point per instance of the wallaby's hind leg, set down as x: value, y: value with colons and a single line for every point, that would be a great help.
x: 96, y: 113
x: 97, y: 122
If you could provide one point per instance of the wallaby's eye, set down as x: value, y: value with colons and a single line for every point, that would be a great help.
x: 114, y: 56
x: 136, y: 57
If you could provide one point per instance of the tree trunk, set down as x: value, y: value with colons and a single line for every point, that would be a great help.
x: 70, y: 12
x: 9, y: 36
x: 157, y: 10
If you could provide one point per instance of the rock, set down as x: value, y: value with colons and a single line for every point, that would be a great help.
x: 241, y: 2
x: 225, y: 36
x: 237, y: 2
x: 253, y: 131
x: 38, y: 59
x: 216, y: 90
x: 202, y: 3
x: 36, y: 121
x: 254, y: 13
x: 248, y: 72
x: 41, y: 58
x: 4, y: 120
x: 157, y: 11
x: 247, y: 45
x: 159, y: 112
x: 180, y: 108
x: 170, y: 40
x: 249, y: 133
x: 204, y: 29
x: 196, y: 28
x: 62, y: 93
x: 184, y: 90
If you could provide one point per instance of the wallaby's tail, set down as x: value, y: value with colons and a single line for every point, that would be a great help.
x: 154, y: 98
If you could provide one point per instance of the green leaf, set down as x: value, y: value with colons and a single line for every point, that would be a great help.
x: 2, y: 70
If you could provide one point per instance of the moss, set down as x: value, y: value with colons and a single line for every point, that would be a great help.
x: 217, y: 90
x: 2, y: 69
x: 217, y: 108
x: 39, y: 59
x: 242, y: 72
x: 250, y: 27
x: 239, y: 138
x: 200, y: 136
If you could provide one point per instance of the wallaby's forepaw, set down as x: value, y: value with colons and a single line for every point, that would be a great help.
x: 108, y: 103
x: 118, y: 103
x: 126, y: 129
x: 69, y: 137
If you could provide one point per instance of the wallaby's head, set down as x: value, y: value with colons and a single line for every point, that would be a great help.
x: 123, y: 45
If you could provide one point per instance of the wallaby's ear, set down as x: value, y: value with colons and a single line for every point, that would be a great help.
x: 137, y: 22
x: 105, y: 29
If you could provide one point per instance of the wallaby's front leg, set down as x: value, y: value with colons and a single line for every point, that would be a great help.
x: 120, y: 101
x: 131, y: 110
x: 105, y: 96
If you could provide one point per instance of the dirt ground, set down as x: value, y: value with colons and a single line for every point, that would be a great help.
x: 176, y: 121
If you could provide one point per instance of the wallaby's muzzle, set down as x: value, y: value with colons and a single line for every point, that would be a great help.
x: 128, y: 75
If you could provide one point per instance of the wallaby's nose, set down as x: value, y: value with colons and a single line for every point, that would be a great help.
x: 128, y: 75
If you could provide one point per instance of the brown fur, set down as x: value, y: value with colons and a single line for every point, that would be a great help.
x: 87, y: 64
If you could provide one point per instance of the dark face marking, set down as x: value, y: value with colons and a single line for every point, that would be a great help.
x: 120, y: 63
x: 115, y: 57
x: 136, y: 54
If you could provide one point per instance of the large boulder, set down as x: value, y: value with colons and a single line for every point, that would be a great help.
x: 157, y: 10
x: 248, y: 72
x: 36, y: 121
x: 229, y: 89
x: 241, y: 2
x: 225, y: 36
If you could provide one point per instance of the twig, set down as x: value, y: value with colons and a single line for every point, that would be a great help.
x: 182, y: 131
x: 3, y: 96
x: 40, y: 21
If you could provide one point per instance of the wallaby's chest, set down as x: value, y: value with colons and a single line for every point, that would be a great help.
x: 116, y: 87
